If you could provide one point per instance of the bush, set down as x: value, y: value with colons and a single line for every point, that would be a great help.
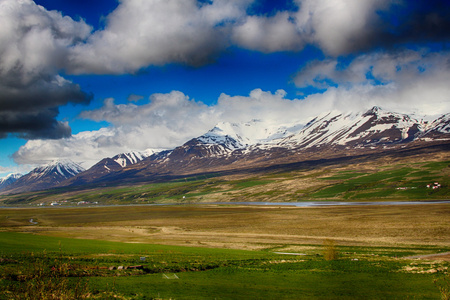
x: 329, y: 251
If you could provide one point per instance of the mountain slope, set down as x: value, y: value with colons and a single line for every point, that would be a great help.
x: 375, y: 127
x: 256, y: 144
x: 8, y: 180
x: 233, y: 146
x: 109, y: 165
x: 45, y: 177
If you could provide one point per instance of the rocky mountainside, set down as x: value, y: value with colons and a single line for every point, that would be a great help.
x: 232, y: 146
x: 111, y: 165
x: 45, y: 177
x: 242, y: 146
x: 358, y: 130
x: 371, y: 129
x: 8, y: 180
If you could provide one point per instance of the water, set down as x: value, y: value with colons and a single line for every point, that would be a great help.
x: 332, y: 203
x: 294, y: 204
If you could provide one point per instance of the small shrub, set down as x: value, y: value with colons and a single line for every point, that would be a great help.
x: 329, y: 250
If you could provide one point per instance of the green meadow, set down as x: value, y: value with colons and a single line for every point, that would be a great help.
x: 171, y: 272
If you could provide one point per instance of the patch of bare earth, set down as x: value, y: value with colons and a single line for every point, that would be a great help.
x: 244, y: 227
x: 436, y: 257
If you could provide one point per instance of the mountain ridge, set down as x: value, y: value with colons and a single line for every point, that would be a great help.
x: 10, y: 179
x: 332, y: 134
x: 234, y: 146
x: 45, y: 177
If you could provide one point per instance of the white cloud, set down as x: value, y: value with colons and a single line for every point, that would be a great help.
x: 153, y: 32
x: 336, y: 26
x: 408, y: 81
x: 277, y: 33
x: 166, y: 121
x: 169, y: 120
x: 371, y: 68
x: 339, y: 26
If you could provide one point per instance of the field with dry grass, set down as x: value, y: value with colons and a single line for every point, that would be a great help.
x: 241, y: 227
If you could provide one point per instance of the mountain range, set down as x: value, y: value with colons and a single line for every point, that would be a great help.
x: 239, y: 146
x: 8, y: 180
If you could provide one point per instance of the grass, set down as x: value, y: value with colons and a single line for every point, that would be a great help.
x: 377, y: 180
x: 227, y: 252
x: 235, y: 227
x: 398, y: 182
x: 204, y: 273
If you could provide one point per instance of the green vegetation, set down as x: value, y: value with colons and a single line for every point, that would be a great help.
x: 70, y: 268
x: 368, y: 181
x: 397, y: 182
x: 138, y: 251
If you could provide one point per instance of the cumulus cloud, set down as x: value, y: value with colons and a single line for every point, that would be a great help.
x: 169, y: 120
x: 408, y: 81
x: 142, y: 33
x: 376, y: 68
x: 33, y: 47
x: 269, y: 34
x: 341, y: 27
x: 139, y: 33
x: 166, y: 121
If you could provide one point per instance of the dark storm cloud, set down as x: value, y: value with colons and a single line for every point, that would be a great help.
x: 30, y: 111
x: 33, y: 125
x: 34, y: 43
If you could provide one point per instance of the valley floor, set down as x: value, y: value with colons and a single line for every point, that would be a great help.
x: 202, y: 252
x: 240, y: 227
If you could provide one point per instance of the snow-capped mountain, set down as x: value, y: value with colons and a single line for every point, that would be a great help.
x: 359, y: 130
x: 255, y: 144
x: 133, y: 157
x: 434, y: 129
x: 372, y: 128
x: 112, y: 164
x: 45, y: 177
x: 234, y: 145
x: 8, y: 180
x: 234, y: 136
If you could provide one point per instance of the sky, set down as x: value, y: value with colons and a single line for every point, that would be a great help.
x: 84, y: 80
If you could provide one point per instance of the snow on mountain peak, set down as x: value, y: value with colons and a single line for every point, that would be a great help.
x: 374, y: 126
x: 63, y: 167
x: 133, y: 157
x: 241, y: 135
x: 11, y: 176
x: 9, y: 179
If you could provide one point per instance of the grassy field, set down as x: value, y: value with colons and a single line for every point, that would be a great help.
x: 225, y: 252
x: 195, y: 250
x: 170, y: 272
x: 241, y: 227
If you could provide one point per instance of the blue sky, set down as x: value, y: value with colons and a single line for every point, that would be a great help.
x: 88, y: 79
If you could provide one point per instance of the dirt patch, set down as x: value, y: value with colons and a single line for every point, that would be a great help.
x: 281, y: 229
x: 438, y: 256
